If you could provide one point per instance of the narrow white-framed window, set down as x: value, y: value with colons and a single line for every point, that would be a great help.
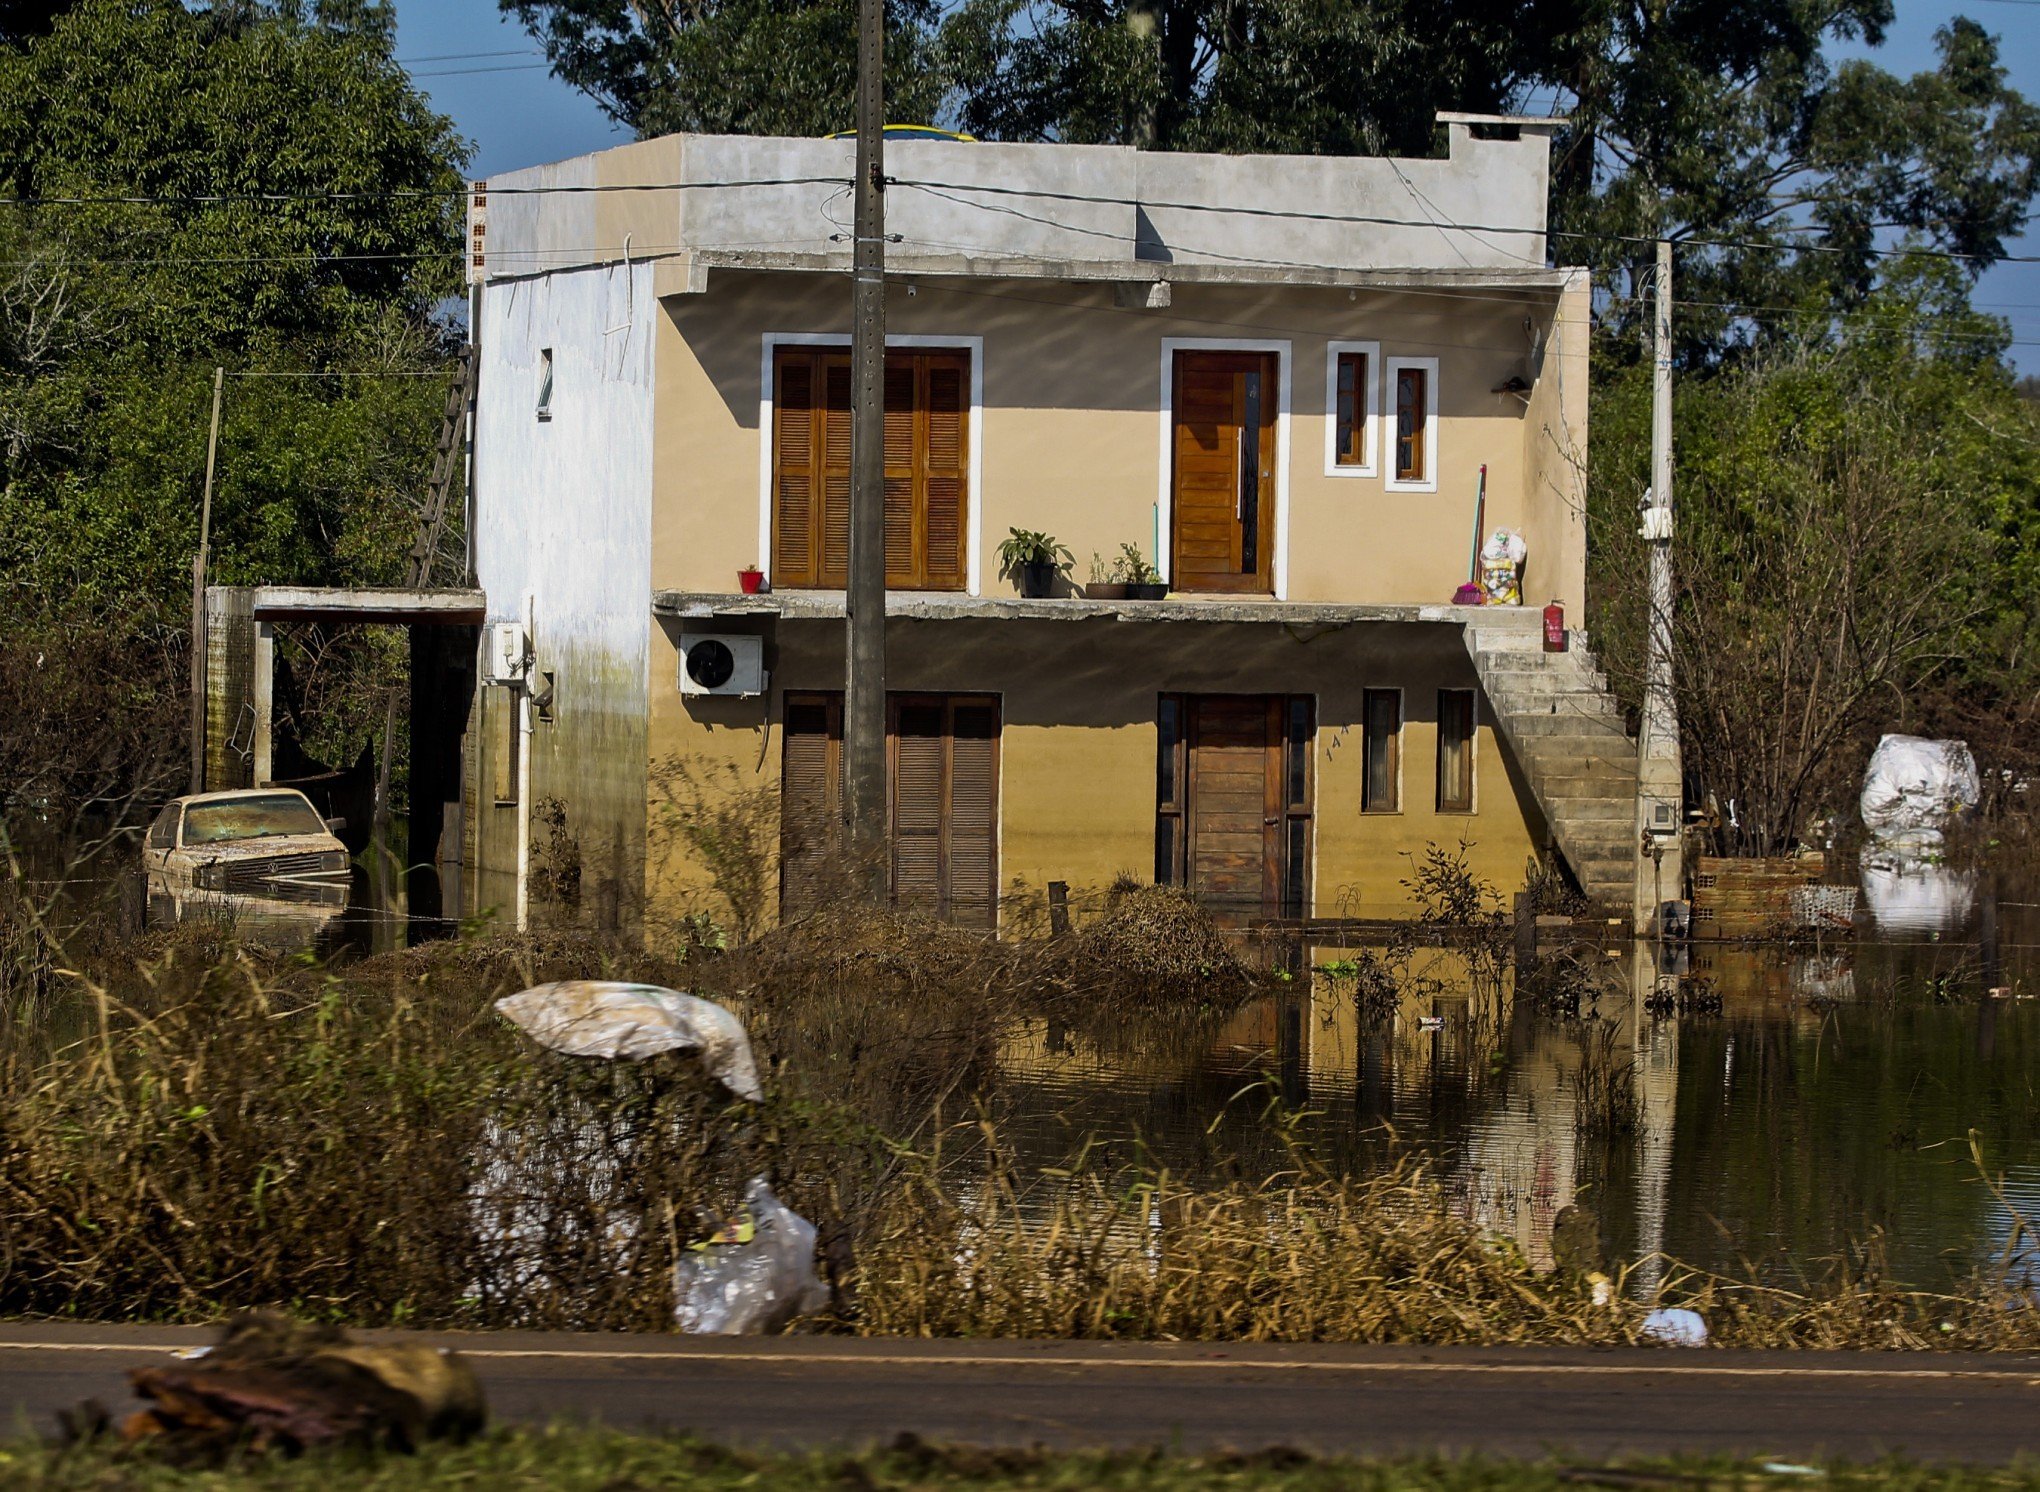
x: 1381, y: 728
x: 1352, y: 409
x: 1412, y: 389
x: 545, y: 383
x: 1457, y: 732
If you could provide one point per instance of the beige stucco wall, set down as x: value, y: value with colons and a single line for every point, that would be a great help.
x: 1071, y: 431
x: 1078, y: 747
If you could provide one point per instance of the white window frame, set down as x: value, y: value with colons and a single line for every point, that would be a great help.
x: 1370, y: 410
x: 1472, y: 808
x: 974, y: 497
x: 1166, y: 420
x: 1402, y: 755
x: 1429, y: 365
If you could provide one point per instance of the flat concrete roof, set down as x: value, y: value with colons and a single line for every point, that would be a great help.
x: 937, y: 606
x: 681, y: 272
x: 1015, y: 209
x: 442, y: 606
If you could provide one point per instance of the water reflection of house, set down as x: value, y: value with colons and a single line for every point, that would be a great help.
x: 1289, y: 417
x: 1486, y: 1091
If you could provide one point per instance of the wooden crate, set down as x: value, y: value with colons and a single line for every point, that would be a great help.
x: 1750, y: 898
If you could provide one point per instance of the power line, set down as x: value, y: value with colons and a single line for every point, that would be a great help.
x: 215, y: 199
x: 1304, y: 215
x: 938, y: 189
x: 465, y: 56
x: 468, y: 72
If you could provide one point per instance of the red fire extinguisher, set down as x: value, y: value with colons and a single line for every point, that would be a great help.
x: 1554, y: 628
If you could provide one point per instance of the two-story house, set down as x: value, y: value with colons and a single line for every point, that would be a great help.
x: 1285, y: 381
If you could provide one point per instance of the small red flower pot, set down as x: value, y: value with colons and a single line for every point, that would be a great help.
x: 752, y: 581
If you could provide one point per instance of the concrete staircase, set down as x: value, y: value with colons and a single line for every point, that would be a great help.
x: 1566, y: 730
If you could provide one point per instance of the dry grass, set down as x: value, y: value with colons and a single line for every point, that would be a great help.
x: 204, y: 1129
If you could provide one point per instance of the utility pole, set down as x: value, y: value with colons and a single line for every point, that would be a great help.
x: 1660, y: 872
x: 198, y: 564
x: 864, y: 784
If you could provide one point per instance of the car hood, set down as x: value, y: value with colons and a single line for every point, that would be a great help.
x: 269, y: 847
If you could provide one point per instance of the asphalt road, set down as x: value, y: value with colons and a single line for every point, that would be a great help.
x: 1500, y: 1402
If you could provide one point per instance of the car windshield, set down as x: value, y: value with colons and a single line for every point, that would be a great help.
x: 258, y: 816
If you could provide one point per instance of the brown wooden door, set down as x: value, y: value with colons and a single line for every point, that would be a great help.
x: 927, y: 412
x: 1235, y: 799
x: 1222, y: 483
x: 810, y: 798
x: 942, y: 756
x: 944, y: 753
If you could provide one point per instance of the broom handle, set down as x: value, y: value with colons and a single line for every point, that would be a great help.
x: 1479, y: 517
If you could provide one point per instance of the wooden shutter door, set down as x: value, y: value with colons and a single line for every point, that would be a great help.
x: 811, y: 797
x: 973, y: 883
x: 919, y: 802
x: 902, y: 442
x: 833, y: 569
x: 945, y: 470
x: 794, y: 474
x: 1236, y: 785
x: 944, y: 756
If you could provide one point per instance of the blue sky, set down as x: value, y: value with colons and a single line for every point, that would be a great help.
x: 485, y: 72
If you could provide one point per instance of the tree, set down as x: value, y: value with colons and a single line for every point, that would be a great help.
x: 1727, y: 130
x: 113, y: 311
x: 251, y: 184
x: 1857, y: 548
x: 754, y: 67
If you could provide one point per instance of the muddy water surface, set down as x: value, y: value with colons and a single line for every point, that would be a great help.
x: 1803, y: 1103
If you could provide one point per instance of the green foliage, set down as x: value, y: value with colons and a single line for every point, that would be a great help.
x: 756, y: 67
x: 1026, y: 546
x: 1857, y: 551
x: 113, y: 312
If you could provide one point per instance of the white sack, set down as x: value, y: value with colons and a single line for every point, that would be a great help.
x: 1915, y: 785
x: 747, y: 1288
x: 612, y: 1020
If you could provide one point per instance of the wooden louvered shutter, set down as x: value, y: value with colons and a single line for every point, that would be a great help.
x: 944, y: 506
x: 919, y: 802
x: 834, y: 567
x: 902, y: 430
x: 811, y: 797
x: 793, y: 469
x: 973, y: 879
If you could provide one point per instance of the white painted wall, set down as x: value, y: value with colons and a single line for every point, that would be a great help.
x: 563, y: 533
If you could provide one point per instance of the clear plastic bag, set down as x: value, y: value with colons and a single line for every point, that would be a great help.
x: 754, y: 1276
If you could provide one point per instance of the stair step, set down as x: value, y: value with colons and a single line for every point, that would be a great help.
x: 1577, y: 704
x: 1567, y: 723
x: 1614, y: 807
x: 1568, y: 756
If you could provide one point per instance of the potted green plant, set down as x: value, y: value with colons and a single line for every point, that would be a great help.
x: 1034, y: 560
x: 1128, y: 578
x: 751, y: 579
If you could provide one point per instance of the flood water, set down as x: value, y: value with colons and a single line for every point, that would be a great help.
x: 1829, y: 1102
x: 1795, y: 1105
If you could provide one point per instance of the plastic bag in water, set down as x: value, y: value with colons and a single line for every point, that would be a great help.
x: 613, y: 1020
x: 754, y: 1276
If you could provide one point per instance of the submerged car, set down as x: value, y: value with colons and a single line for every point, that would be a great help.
x: 267, y: 841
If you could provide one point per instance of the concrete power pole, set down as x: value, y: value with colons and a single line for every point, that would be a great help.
x: 1660, y: 874
x: 198, y: 564
x: 864, y: 796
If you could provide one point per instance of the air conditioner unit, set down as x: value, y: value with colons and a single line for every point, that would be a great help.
x: 712, y: 663
x: 509, y: 654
